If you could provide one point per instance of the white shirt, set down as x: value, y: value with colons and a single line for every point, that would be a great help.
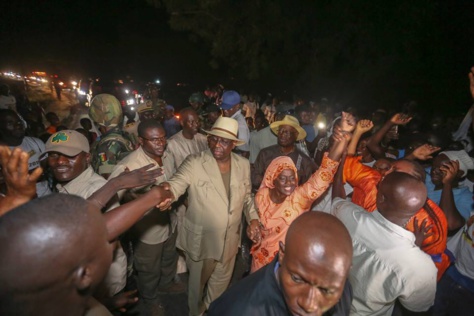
x: 386, y: 263
x: 462, y: 246
x: 244, y: 132
x: 84, y: 186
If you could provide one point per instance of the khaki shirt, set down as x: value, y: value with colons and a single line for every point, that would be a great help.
x: 153, y: 228
x: 179, y: 147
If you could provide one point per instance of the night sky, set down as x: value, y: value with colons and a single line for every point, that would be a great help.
x: 125, y: 37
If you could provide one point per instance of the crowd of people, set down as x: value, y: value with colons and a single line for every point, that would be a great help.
x: 344, y: 212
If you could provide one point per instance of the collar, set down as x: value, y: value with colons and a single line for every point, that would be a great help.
x: 402, y: 232
x: 86, y: 174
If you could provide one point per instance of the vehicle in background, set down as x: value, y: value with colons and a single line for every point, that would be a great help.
x: 126, y: 91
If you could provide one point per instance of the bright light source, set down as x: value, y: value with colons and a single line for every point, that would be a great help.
x: 130, y: 101
x: 127, y: 91
x: 321, y: 125
x: 157, y: 81
x: 81, y: 92
x: 61, y: 83
x: 132, y: 108
x: 44, y: 80
x: 74, y: 83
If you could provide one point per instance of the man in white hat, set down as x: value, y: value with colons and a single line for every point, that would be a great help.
x: 448, y: 168
x: 288, y: 132
x: 218, y: 185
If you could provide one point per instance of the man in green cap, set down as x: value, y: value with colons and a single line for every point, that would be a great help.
x: 114, y: 145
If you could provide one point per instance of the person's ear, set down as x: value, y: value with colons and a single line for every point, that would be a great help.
x: 281, y: 253
x: 82, y: 279
x: 88, y: 158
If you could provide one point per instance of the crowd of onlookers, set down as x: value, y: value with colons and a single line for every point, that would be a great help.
x: 343, y: 211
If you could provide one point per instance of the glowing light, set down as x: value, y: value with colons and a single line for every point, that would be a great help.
x: 321, y: 125
x: 74, y: 83
x: 127, y: 91
x: 130, y: 101
x: 61, y: 83
x: 157, y: 81
x: 81, y: 92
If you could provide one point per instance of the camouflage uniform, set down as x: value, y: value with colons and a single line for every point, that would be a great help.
x: 109, y: 150
x: 132, y: 131
x: 114, y: 145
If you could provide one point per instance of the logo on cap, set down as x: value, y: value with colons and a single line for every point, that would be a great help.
x: 60, y: 137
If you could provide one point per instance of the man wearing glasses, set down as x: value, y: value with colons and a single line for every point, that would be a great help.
x: 218, y: 185
x: 154, y: 236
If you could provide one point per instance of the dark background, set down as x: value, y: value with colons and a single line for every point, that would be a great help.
x: 357, y: 53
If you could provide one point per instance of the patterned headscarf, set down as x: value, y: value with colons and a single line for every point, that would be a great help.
x: 275, y: 168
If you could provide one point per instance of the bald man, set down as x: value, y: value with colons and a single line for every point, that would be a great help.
x: 387, y: 265
x: 307, y: 277
x: 42, y: 271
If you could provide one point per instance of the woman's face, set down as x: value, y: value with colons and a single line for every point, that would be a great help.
x: 285, y: 182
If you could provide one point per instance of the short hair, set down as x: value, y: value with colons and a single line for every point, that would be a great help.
x: 147, y: 124
x: 62, y: 214
x: 186, y: 110
x: 5, y: 112
x: 303, y: 108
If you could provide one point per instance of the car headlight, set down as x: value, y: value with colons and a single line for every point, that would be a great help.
x: 130, y: 101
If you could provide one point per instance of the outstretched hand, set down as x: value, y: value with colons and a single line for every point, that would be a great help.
x: 20, y: 183
x: 138, y: 177
x: 166, y: 190
x: 425, y: 151
x: 121, y: 301
x: 421, y: 231
x: 400, y: 119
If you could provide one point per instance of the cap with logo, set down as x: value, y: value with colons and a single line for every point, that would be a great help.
x: 67, y: 142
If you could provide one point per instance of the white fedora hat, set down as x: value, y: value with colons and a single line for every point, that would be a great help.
x: 227, y: 128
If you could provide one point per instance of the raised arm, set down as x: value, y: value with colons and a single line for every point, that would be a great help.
x: 126, y: 180
x: 447, y: 204
x: 374, y: 143
x: 362, y: 127
x: 21, y: 185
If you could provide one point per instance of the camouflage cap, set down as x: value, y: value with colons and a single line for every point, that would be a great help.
x: 197, y: 97
x: 67, y: 142
x: 106, y: 110
x: 144, y: 107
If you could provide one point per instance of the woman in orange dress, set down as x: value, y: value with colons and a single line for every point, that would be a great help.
x: 279, y: 200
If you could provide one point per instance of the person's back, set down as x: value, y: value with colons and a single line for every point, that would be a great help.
x: 387, y: 265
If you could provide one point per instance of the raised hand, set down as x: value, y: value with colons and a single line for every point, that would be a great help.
x: 400, y: 119
x: 20, y: 183
x: 364, y: 126
x: 450, y: 171
x: 347, y: 123
x: 425, y: 151
x: 138, y: 177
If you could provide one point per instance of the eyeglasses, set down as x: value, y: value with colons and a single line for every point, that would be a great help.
x: 223, y: 141
x: 158, y: 140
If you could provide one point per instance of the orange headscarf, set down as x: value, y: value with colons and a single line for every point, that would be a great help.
x: 275, y: 168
